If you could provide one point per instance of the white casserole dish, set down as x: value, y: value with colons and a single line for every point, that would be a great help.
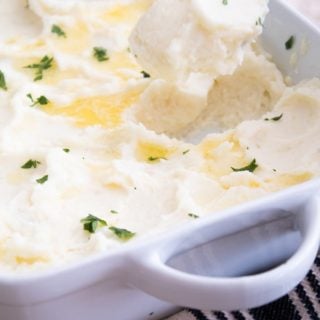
x: 239, y: 255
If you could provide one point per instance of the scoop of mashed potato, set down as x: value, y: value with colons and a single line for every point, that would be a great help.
x: 183, y: 41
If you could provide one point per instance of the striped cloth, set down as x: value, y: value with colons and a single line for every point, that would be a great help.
x: 303, y: 303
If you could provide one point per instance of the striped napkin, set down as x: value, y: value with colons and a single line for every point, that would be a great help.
x: 303, y: 303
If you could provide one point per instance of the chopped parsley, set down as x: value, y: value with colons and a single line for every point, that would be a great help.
x: 66, y: 150
x: 251, y: 167
x: 290, y: 42
x: 43, y: 179
x: 259, y: 22
x: 42, y: 100
x: 31, y: 164
x: 44, y: 64
x: 185, y: 152
x: 192, y: 215
x: 225, y: 2
x: 152, y: 159
x: 92, y: 223
x: 100, y: 54
x: 122, y: 234
x: 274, y: 118
x: 3, y: 84
x: 114, y: 212
x: 145, y: 74
x: 58, y: 31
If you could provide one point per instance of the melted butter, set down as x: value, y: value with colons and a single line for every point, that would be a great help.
x: 34, y: 46
x: 127, y: 12
x: 30, y: 260
x: 152, y: 152
x: 222, y: 153
x: 118, y: 61
x: 287, y: 180
x: 76, y: 41
x: 53, y: 76
x: 101, y: 110
x: 114, y: 186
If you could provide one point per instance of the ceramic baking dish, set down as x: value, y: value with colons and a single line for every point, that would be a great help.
x: 239, y: 258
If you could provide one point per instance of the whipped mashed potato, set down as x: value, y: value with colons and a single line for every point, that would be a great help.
x: 87, y: 128
x: 194, y: 31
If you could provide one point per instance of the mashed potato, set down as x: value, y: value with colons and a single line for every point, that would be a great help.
x: 89, y: 146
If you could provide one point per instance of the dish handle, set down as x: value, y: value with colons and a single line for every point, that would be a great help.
x: 149, y: 270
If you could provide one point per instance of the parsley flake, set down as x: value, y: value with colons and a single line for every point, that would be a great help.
x: 192, y: 215
x: 251, y: 167
x: 114, y: 212
x: 259, y: 22
x: 3, y: 84
x: 152, y: 159
x: 92, y: 223
x: 100, y: 54
x: 66, y: 150
x: 185, y: 152
x: 44, y: 64
x: 30, y: 164
x: 274, y: 118
x: 42, y: 100
x: 122, y: 234
x: 145, y: 74
x: 58, y: 31
x: 43, y: 179
x: 225, y: 2
x: 290, y: 43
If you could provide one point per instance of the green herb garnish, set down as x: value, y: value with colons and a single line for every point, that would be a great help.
x: 290, y: 42
x: 58, y: 31
x: 192, y: 215
x: 44, y: 64
x: 3, y: 84
x: 100, y: 54
x: 145, y: 74
x: 259, y: 22
x: 31, y: 164
x: 122, y: 234
x: 251, y: 167
x: 66, y: 150
x: 225, y: 2
x: 42, y: 100
x: 92, y: 223
x: 43, y: 179
x: 185, y: 152
x: 114, y: 212
x: 152, y: 159
x: 275, y: 118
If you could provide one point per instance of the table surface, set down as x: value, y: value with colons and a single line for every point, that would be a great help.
x: 311, y: 9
